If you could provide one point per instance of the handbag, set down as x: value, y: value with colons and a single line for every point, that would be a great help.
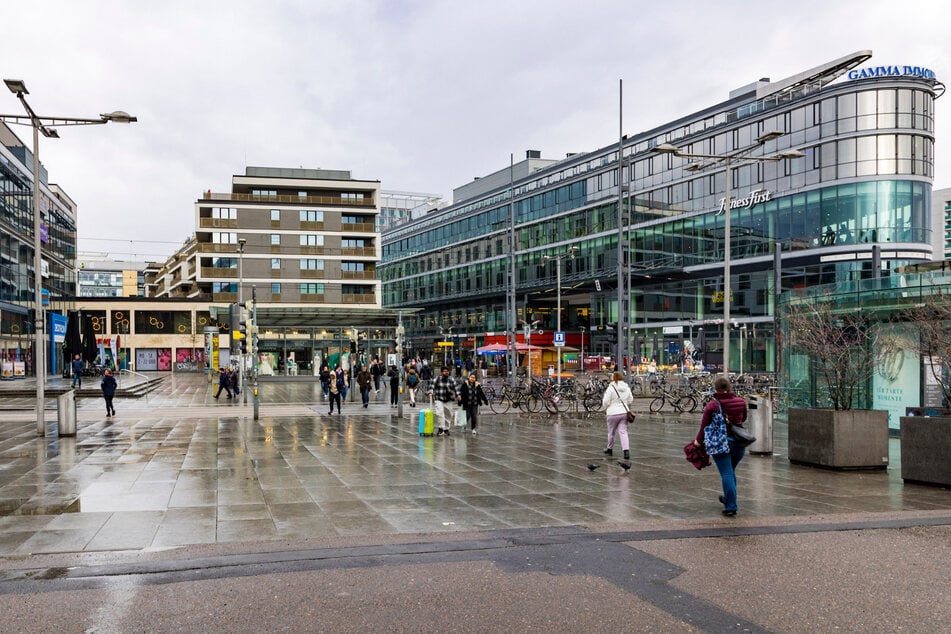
x: 630, y: 414
x: 740, y: 435
x: 460, y: 419
x: 714, y: 434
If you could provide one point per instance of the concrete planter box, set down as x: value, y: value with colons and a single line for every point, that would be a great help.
x: 926, y: 449
x: 846, y: 439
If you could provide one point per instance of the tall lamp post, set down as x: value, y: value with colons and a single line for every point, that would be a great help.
x: 242, y: 382
x: 558, y: 258
x: 46, y: 125
x: 728, y: 161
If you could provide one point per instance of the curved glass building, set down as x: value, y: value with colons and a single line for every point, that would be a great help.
x: 858, y: 205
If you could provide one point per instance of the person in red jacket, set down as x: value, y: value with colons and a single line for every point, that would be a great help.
x: 734, y: 410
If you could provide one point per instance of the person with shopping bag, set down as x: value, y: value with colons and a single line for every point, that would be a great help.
x: 724, y: 408
x: 444, y: 397
x: 471, y: 396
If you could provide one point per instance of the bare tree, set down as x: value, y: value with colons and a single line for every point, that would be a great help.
x: 932, y: 317
x: 841, y: 344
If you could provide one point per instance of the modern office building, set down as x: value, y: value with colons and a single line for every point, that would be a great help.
x: 857, y: 206
x: 58, y: 237
x: 99, y: 276
x: 941, y: 213
x: 399, y: 207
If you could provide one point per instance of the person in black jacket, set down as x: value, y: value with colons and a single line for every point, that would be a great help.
x: 471, y: 395
x: 224, y: 382
x: 109, y: 386
x: 394, y: 375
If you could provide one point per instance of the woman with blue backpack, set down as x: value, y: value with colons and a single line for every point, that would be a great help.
x: 724, y: 410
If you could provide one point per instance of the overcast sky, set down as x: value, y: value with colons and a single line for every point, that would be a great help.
x: 419, y: 94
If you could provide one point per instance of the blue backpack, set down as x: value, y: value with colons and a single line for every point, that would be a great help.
x: 714, y: 434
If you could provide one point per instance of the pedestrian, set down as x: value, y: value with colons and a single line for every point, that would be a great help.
x: 233, y: 381
x: 224, y: 382
x: 363, y: 380
x: 77, y: 368
x: 443, y: 396
x: 412, y: 384
x: 616, y: 403
x: 345, y: 376
x: 425, y: 377
x: 336, y: 387
x: 109, y: 386
x: 376, y: 371
x: 734, y: 411
x: 394, y: 376
x: 325, y: 379
x: 471, y: 395
x: 652, y: 370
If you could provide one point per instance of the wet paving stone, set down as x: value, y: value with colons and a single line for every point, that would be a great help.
x: 180, y: 468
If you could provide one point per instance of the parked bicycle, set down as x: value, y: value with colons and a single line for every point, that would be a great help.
x: 680, y: 402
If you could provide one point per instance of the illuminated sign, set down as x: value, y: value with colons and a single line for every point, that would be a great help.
x: 752, y: 199
x: 891, y: 71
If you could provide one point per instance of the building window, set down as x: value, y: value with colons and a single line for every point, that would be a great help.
x: 225, y: 213
x: 224, y: 263
x: 264, y: 193
x: 275, y: 264
x: 275, y: 215
x: 352, y: 195
x: 311, y: 240
x: 224, y: 287
x: 275, y: 239
x: 311, y: 215
x: 311, y: 264
x: 352, y: 243
x: 352, y: 220
x: 352, y: 267
x: 311, y: 288
x: 275, y: 288
x: 224, y: 237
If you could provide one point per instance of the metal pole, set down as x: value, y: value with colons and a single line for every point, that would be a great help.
x: 39, y: 353
x: 620, y: 226
x: 242, y: 379
x: 254, y: 350
x: 726, y: 268
x: 512, y: 314
x: 582, y: 349
x: 558, y: 317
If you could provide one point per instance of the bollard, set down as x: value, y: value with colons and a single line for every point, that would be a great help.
x: 66, y: 413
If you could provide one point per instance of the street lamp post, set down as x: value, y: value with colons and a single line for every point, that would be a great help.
x: 47, y: 126
x: 242, y: 381
x: 582, y: 349
x: 728, y: 161
x: 558, y: 258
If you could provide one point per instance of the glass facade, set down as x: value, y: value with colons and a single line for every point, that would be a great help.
x: 861, y: 195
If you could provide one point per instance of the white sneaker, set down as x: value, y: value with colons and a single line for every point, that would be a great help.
x: 473, y: 432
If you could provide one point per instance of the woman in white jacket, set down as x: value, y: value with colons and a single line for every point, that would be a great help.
x: 615, y: 403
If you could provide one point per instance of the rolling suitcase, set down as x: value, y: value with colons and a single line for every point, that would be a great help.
x: 425, y: 422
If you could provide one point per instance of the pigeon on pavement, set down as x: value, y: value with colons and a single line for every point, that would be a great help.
x: 592, y: 467
x: 625, y: 465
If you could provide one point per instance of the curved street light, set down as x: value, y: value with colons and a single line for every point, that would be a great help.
x: 47, y: 126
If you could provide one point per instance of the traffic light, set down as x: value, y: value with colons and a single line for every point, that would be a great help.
x: 245, y: 320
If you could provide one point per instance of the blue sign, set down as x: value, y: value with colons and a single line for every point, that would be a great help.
x: 891, y: 71
x: 559, y: 338
x: 58, y: 325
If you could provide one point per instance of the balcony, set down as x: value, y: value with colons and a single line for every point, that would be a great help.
x: 216, y: 247
x: 209, y: 271
x: 317, y: 298
x: 358, y: 298
x: 218, y: 223
x: 358, y: 275
x: 291, y: 199
x: 362, y: 227
x: 224, y: 297
x: 365, y: 251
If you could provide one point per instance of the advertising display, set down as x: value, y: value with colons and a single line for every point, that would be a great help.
x: 896, y: 384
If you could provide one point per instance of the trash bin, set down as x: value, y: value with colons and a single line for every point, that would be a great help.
x: 760, y: 423
x: 66, y: 413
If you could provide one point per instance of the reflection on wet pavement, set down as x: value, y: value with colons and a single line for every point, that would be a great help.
x: 178, y: 468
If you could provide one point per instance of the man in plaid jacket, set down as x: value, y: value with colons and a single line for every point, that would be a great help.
x: 444, y: 397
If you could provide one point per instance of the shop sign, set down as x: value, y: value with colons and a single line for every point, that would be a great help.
x: 891, y: 71
x: 752, y: 199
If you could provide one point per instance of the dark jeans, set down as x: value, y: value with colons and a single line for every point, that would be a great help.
x: 109, y: 408
x: 335, y: 398
x: 394, y: 393
x: 365, y: 394
x: 225, y: 388
x: 472, y: 413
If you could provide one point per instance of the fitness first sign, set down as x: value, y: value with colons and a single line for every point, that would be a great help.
x: 891, y: 71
